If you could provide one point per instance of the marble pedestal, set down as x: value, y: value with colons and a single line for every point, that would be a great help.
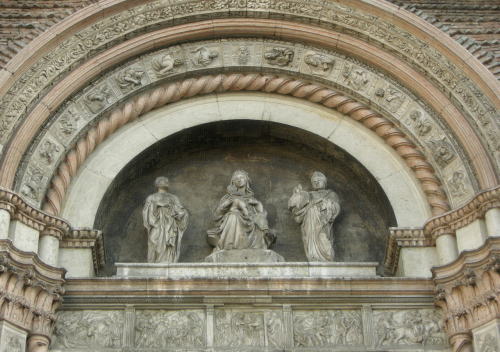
x: 245, y: 256
x: 177, y: 271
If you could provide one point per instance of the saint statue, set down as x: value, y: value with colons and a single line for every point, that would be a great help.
x: 165, y: 220
x: 315, y: 211
x: 240, y: 219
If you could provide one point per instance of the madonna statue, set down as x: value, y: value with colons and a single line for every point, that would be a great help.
x: 315, y: 211
x: 165, y: 219
x: 240, y: 219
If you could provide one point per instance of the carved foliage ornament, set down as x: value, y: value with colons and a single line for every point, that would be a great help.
x: 30, y: 293
x: 467, y: 290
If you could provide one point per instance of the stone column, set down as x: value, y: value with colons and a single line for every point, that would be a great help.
x: 492, y: 218
x: 468, y: 291
x: 38, y: 343
x: 4, y: 223
x: 31, y: 295
x: 23, y: 236
x: 49, y: 248
x: 472, y: 235
x: 446, y: 247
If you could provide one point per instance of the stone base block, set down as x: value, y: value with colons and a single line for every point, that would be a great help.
x: 245, y: 256
x: 182, y: 271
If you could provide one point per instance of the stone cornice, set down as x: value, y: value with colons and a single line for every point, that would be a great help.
x: 469, y: 265
x: 403, y: 237
x: 87, y: 238
x: 20, y: 210
x: 449, y: 222
x: 160, y: 289
x: 50, y: 225
x: 468, y: 291
x: 30, y: 290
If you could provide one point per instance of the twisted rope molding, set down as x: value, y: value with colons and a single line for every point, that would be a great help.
x: 187, y: 88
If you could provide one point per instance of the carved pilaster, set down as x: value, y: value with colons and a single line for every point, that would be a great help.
x: 468, y: 291
x: 30, y: 293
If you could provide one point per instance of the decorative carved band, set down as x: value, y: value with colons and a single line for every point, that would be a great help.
x: 403, y: 237
x: 32, y: 217
x: 448, y: 222
x: 30, y: 290
x: 468, y: 291
x: 87, y: 238
x: 176, y: 91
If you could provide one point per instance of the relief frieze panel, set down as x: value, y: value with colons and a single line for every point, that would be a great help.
x: 75, y: 117
x: 88, y: 329
x: 248, y: 329
x: 411, y: 327
x: 169, y: 329
x: 327, y: 328
x: 115, y: 28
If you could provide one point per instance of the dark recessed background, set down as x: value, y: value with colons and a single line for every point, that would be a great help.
x: 199, y: 162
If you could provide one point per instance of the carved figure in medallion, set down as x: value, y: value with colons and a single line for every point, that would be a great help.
x: 165, y: 64
x: 203, y: 56
x: 68, y: 122
x: 457, y: 184
x: 279, y: 56
x: 32, y: 183
x: 422, y: 126
x: 48, y: 151
x: 240, y: 219
x: 316, y: 211
x: 356, y: 78
x: 97, y: 99
x: 165, y: 219
x: 318, y: 63
x: 242, y: 55
x: 129, y: 79
x: 442, y: 151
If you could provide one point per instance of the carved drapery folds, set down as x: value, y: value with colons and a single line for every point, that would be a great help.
x: 468, y: 291
x: 30, y: 293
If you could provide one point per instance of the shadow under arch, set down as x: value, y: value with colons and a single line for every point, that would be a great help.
x: 199, y: 162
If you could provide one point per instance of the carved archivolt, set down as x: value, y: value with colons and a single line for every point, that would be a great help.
x: 400, y: 36
x: 238, y: 82
x: 414, y: 51
x: 402, y: 108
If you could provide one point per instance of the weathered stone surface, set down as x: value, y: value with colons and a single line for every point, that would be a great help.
x: 245, y: 256
x: 280, y: 328
x: 245, y: 270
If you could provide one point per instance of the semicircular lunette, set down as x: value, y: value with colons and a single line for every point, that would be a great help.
x: 187, y: 88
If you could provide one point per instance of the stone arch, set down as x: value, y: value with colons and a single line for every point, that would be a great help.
x: 340, y: 40
x: 238, y: 82
x: 114, y: 153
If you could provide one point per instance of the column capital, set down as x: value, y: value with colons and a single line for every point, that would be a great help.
x: 468, y: 291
